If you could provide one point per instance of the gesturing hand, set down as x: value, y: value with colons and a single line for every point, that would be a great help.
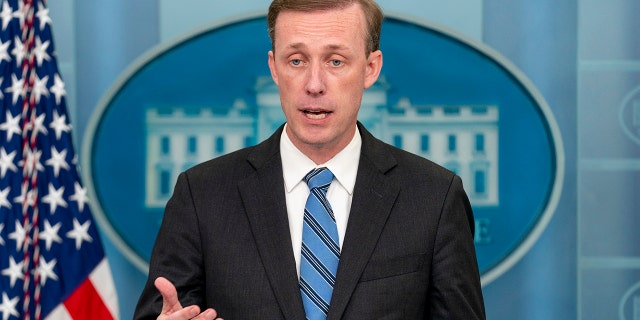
x: 173, y: 310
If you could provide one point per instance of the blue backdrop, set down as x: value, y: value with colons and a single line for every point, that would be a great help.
x: 582, y: 55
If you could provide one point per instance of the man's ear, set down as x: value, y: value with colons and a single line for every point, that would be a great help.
x: 272, y: 67
x: 374, y: 65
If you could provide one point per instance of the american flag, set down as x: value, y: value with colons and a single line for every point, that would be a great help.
x: 52, y: 263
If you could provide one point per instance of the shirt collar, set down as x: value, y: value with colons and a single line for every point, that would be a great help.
x: 343, y: 165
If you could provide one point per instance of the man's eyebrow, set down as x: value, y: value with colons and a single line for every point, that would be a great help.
x: 337, y: 47
x: 299, y: 45
x: 296, y: 45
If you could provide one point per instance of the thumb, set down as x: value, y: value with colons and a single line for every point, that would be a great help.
x: 170, y: 302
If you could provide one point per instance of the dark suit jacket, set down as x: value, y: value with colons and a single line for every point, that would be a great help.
x: 408, y: 251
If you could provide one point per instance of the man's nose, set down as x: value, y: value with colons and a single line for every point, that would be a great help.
x: 315, y: 79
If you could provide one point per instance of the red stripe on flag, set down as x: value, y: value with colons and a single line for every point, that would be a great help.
x: 86, y: 303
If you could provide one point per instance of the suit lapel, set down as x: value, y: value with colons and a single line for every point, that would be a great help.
x: 373, y: 198
x: 264, y: 200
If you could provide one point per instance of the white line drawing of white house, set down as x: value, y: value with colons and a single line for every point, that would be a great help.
x: 463, y: 138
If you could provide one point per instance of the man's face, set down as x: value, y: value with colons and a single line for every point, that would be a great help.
x: 321, y: 67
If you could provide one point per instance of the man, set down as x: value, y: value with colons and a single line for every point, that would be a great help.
x: 234, y: 240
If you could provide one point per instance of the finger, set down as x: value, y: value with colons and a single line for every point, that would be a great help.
x: 190, y: 312
x: 209, y: 314
x: 170, y: 302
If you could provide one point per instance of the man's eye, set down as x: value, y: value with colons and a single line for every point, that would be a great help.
x: 296, y: 62
x: 336, y: 62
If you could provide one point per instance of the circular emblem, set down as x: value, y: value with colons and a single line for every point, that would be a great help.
x: 629, y: 308
x: 630, y: 115
x: 440, y: 95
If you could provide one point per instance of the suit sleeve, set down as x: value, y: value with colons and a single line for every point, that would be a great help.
x: 455, y: 291
x: 176, y: 255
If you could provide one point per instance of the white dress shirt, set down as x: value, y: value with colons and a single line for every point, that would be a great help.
x: 295, y: 165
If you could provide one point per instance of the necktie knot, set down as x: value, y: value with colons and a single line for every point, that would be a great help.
x: 319, y: 178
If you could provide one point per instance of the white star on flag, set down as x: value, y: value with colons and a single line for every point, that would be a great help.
x: 4, y: 202
x: 11, y: 125
x: 54, y: 198
x: 19, y: 236
x: 57, y: 161
x: 41, y: 51
x: 79, y: 232
x: 4, y: 53
x: 50, y: 234
x: 59, y: 124
x: 45, y: 270
x: 18, y: 51
x: 58, y: 90
x: 6, y: 162
x: 8, y: 307
x: 43, y: 15
x: 80, y: 196
x: 16, y: 89
x: 40, y: 88
x: 6, y: 14
x: 14, y: 271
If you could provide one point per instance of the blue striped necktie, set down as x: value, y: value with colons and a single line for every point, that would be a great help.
x: 320, y: 246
